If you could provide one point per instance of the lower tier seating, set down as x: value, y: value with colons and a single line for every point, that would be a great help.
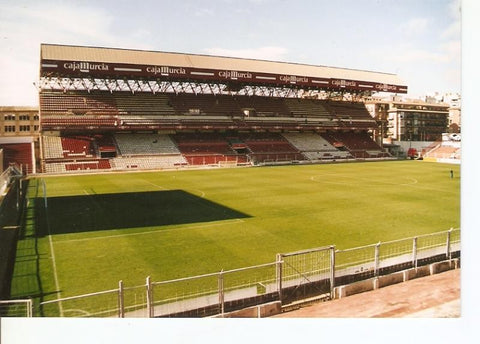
x: 129, y: 151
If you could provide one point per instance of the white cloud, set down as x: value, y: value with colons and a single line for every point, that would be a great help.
x: 455, y: 8
x: 414, y: 26
x: 204, y: 12
x: 419, y: 55
x: 58, y: 22
x: 24, y: 28
x: 271, y: 53
x: 453, y: 49
x: 454, y: 30
x: 16, y: 83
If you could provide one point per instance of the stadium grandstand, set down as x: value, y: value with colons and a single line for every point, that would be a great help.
x: 119, y: 109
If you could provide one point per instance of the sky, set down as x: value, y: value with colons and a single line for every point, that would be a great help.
x: 419, y: 40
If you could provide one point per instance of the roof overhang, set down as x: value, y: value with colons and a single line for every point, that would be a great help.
x: 91, y: 62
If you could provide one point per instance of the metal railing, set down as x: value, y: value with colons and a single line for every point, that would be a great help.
x: 291, y: 277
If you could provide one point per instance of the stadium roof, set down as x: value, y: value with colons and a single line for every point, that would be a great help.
x: 79, y: 61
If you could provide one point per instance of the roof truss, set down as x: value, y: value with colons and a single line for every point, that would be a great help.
x: 164, y: 86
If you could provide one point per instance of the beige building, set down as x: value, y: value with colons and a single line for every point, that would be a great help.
x: 18, y: 121
x: 454, y: 119
x: 19, y: 134
x: 410, y: 120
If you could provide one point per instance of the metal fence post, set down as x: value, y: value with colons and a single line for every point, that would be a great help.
x: 29, y: 308
x: 414, y: 252
x: 377, y: 259
x: 221, y: 293
x: 279, y: 276
x: 448, y: 250
x: 332, y: 270
x: 149, y: 298
x: 121, y: 305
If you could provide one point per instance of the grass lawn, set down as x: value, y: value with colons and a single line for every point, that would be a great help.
x: 99, y: 229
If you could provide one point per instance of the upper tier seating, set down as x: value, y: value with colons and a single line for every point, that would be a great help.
x: 77, y: 103
x: 308, y: 108
x: 353, y: 115
x: 263, y: 106
x: 145, y: 111
x: 191, y: 104
x: 143, y: 104
x: 61, y: 122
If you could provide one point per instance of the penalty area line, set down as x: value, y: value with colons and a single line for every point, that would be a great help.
x: 158, y: 186
x: 155, y: 231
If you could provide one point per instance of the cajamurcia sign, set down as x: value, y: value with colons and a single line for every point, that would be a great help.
x: 85, y: 66
x: 233, y: 74
x: 293, y: 79
x: 164, y: 70
x: 385, y: 87
x: 344, y: 83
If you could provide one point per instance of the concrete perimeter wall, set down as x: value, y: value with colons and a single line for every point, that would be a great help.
x: 394, y: 278
x: 260, y: 311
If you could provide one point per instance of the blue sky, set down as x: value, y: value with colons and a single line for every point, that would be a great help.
x: 420, y: 40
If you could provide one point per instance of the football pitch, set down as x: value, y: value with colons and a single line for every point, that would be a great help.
x: 83, y: 234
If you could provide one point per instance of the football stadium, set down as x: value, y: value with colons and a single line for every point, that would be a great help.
x: 179, y: 185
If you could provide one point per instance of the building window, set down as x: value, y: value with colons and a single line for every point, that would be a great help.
x: 24, y: 117
x: 9, y: 128
x: 9, y: 117
x: 36, y: 118
x: 24, y: 128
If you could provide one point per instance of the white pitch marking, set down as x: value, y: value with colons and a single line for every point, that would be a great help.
x: 150, y: 232
x: 202, y: 194
x: 158, y: 186
x: 54, y: 263
x: 315, y: 179
x: 76, y: 310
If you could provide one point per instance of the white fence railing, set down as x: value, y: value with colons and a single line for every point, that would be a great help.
x: 293, y: 276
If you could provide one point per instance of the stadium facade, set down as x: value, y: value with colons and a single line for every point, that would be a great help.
x: 121, y: 109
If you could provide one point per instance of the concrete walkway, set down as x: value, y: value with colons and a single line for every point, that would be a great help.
x: 436, y: 296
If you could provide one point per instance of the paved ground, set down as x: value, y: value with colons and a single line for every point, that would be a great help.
x: 436, y: 296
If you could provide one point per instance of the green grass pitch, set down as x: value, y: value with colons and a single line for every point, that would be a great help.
x: 99, y: 229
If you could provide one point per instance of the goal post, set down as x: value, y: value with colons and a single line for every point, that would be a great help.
x: 16, y: 308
